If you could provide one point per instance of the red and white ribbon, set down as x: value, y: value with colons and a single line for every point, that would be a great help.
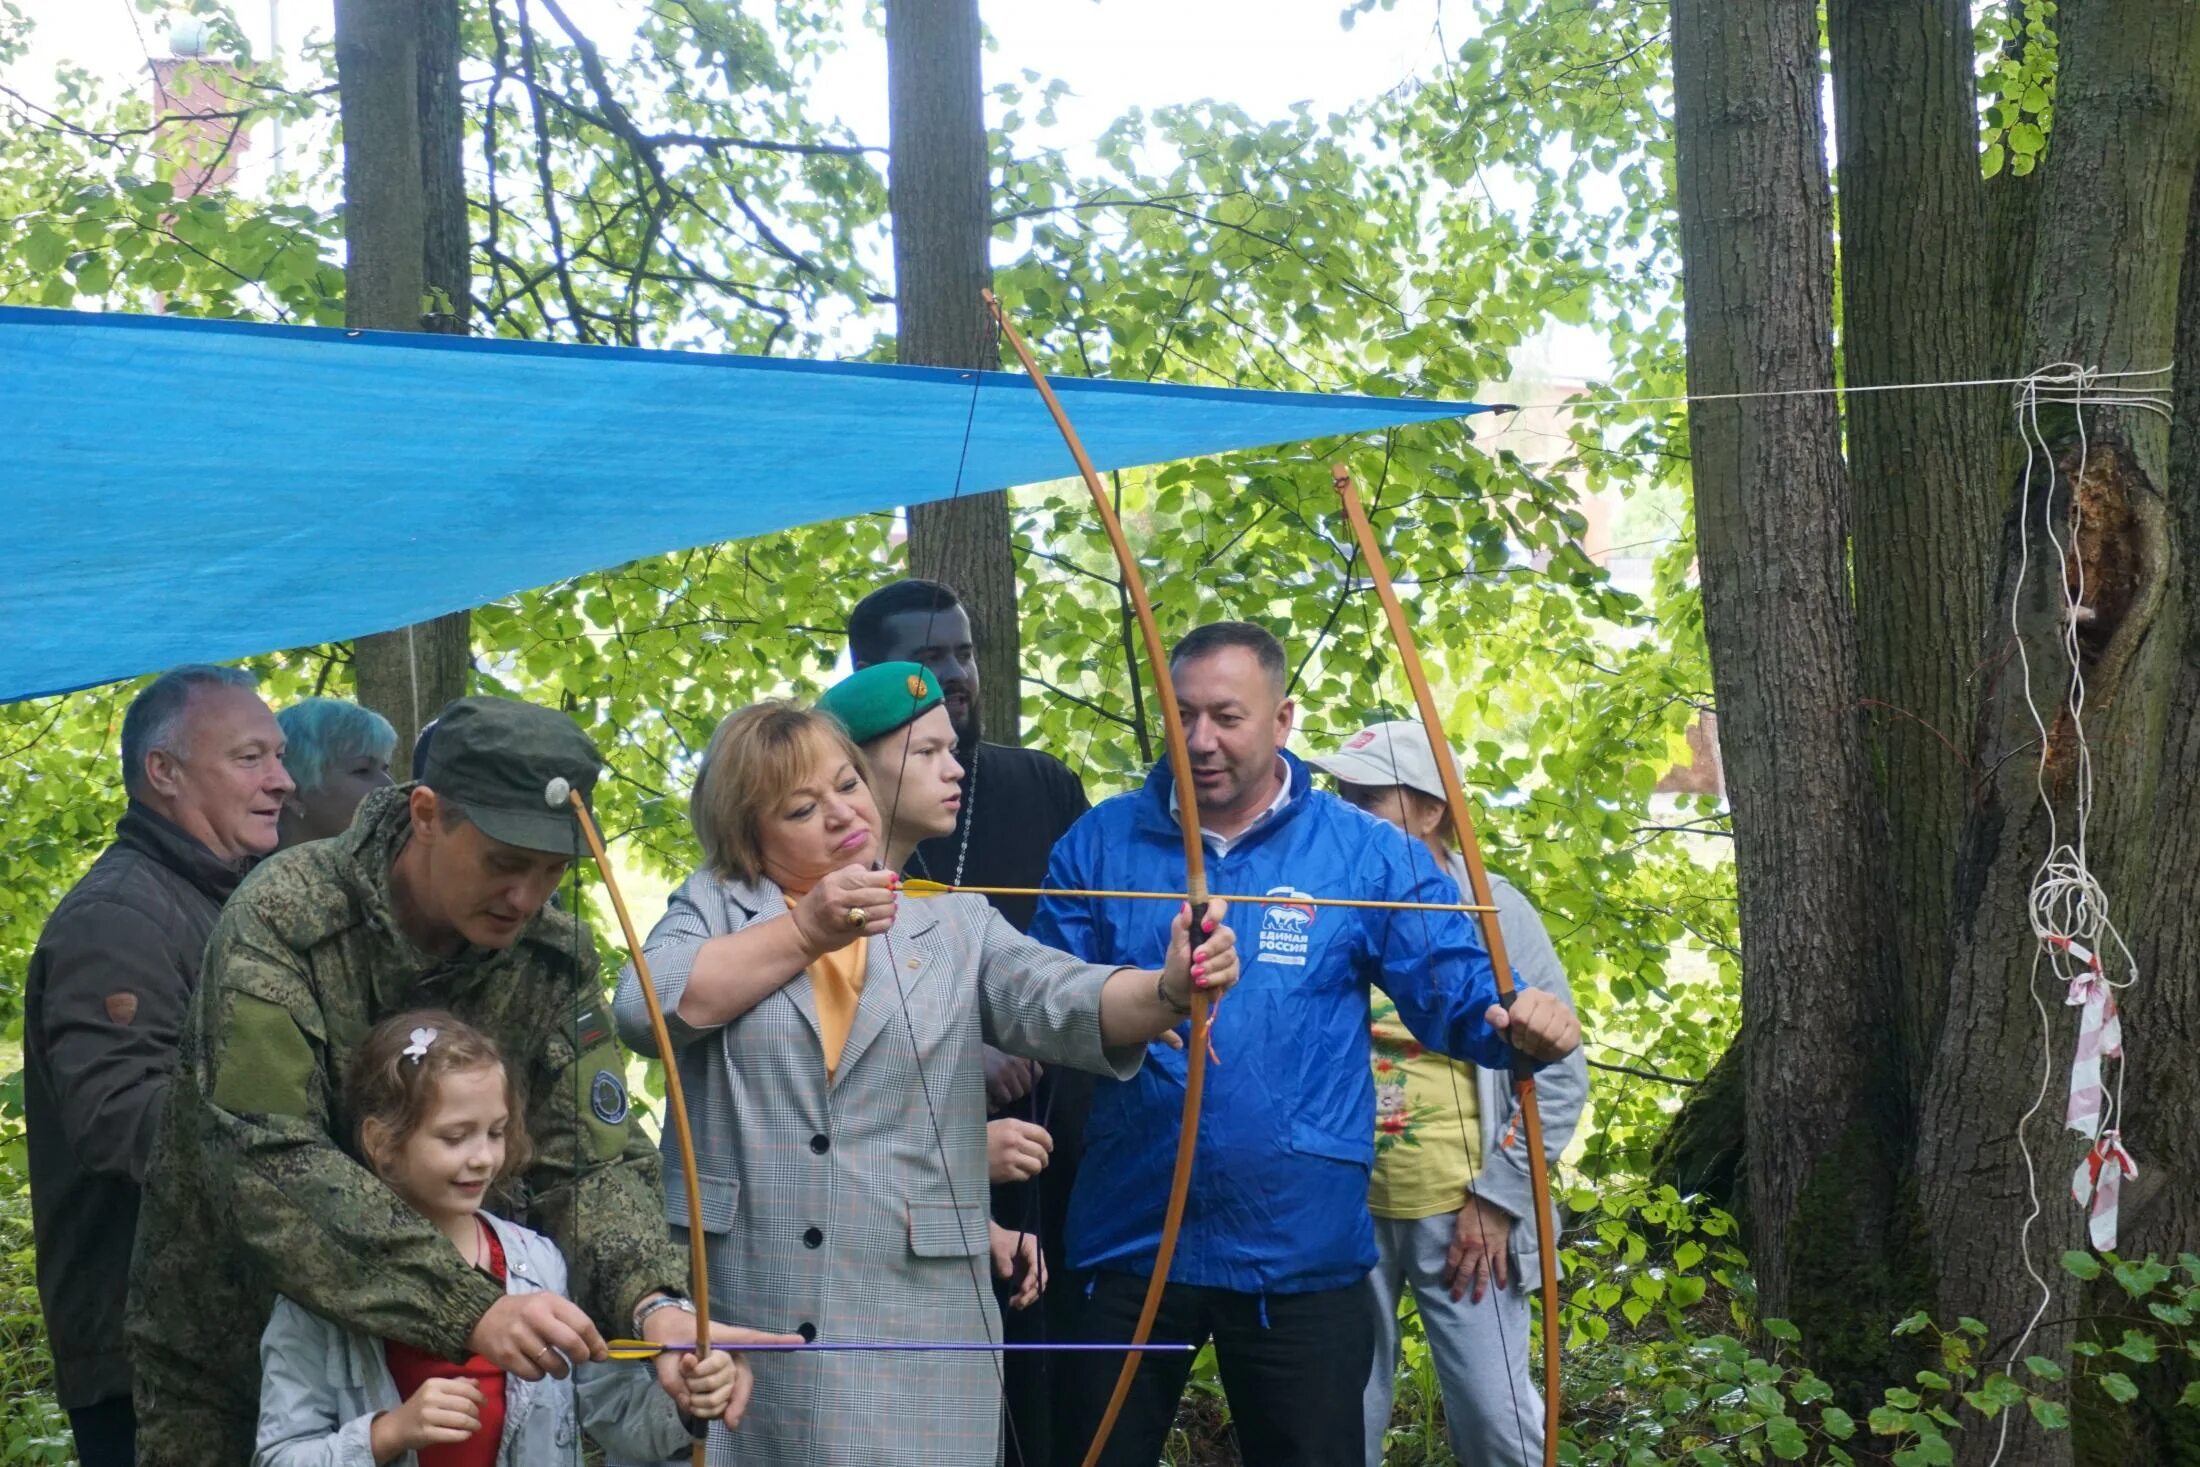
x: 2100, y: 1037
x: 2096, y: 1183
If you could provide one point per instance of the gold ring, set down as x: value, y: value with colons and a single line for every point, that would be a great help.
x: 857, y: 917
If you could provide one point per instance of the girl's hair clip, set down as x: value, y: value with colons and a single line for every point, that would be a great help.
x: 418, y: 1049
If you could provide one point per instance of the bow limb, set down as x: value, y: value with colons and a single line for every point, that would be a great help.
x: 1195, y: 875
x: 1462, y: 820
x: 675, y: 1100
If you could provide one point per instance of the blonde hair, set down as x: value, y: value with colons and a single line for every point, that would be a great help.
x: 396, y: 1091
x: 755, y: 757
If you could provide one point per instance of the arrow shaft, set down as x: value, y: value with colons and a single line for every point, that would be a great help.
x: 847, y: 1347
x: 1178, y: 896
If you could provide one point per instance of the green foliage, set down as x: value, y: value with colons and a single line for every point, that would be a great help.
x: 2017, y: 67
x: 90, y: 215
x: 670, y: 188
x: 673, y: 187
x: 33, y: 1428
x: 1668, y: 1362
x: 667, y: 187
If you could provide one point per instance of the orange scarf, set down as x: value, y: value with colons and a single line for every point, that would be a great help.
x: 837, y: 981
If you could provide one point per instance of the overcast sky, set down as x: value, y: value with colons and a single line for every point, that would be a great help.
x: 1262, y: 55
x: 1117, y: 54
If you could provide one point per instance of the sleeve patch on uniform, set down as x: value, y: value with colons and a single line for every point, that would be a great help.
x: 607, y: 1098
x: 603, y: 1099
x: 266, y: 1065
x: 122, y: 1007
x: 589, y: 1026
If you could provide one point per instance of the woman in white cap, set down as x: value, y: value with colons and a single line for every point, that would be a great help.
x: 1449, y: 1195
x: 830, y: 1034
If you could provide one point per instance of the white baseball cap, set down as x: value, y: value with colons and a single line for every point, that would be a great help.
x: 1390, y: 753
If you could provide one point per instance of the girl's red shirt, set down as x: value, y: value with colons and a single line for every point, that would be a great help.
x: 414, y: 1368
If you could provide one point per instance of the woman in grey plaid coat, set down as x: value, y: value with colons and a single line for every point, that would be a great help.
x: 829, y: 1032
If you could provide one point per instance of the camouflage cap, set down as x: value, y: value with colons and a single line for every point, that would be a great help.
x: 495, y: 758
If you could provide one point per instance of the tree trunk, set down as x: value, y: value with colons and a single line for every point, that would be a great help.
x: 1923, y: 466
x: 447, y: 247
x: 1757, y: 234
x: 2103, y: 292
x: 404, y: 232
x: 939, y: 187
x: 2161, y: 1207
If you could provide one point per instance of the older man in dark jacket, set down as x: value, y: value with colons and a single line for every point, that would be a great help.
x: 115, y: 966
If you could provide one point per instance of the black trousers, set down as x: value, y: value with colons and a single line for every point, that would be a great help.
x: 106, y: 1433
x: 1293, y: 1367
x: 1030, y: 1378
x: 1061, y: 1103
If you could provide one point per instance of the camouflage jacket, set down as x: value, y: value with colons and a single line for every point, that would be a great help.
x: 254, y: 1189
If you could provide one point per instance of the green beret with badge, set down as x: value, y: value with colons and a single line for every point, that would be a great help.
x: 881, y: 698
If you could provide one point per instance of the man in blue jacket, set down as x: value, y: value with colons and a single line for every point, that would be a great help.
x: 1273, y: 1259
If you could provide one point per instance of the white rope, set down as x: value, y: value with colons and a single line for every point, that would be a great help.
x: 2068, y: 910
x: 2063, y: 382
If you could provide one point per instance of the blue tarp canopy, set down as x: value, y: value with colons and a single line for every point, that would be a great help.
x: 177, y: 490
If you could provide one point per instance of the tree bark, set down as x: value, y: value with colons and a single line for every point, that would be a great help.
x: 447, y: 247
x: 1756, y: 224
x: 404, y: 231
x: 2160, y: 1207
x: 939, y: 185
x: 2103, y: 292
x: 1923, y: 477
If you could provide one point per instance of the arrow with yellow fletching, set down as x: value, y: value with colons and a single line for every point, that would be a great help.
x: 918, y: 887
x: 650, y: 1350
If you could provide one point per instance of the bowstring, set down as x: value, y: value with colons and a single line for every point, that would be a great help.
x: 1451, y: 1069
x: 582, y: 1097
x: 980, y: 1282
x: 1034, y: 1209
x: 576, y: 894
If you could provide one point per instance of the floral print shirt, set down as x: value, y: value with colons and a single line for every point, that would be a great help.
x: 1428, y: 1134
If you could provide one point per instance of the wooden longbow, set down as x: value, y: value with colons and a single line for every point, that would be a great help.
x: 1195, y: 879
x: 675, y: 1099
x: 1478, y: 877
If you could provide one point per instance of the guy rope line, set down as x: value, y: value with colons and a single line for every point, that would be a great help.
x: 2062, y: 382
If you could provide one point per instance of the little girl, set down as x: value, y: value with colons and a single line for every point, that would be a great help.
x: 439, y: 1123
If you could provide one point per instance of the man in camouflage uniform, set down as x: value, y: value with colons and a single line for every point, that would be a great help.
x: 436, y: 897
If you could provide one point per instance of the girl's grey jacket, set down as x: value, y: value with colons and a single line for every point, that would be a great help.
x: 322, y: 1385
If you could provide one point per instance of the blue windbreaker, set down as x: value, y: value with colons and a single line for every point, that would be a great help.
x: 1278, y: 1199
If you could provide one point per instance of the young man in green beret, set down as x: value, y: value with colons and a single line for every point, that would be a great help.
x: 1016, y: 803
x: 435, y: 898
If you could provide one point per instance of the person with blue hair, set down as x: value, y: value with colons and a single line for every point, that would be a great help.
x: 339, y: 753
